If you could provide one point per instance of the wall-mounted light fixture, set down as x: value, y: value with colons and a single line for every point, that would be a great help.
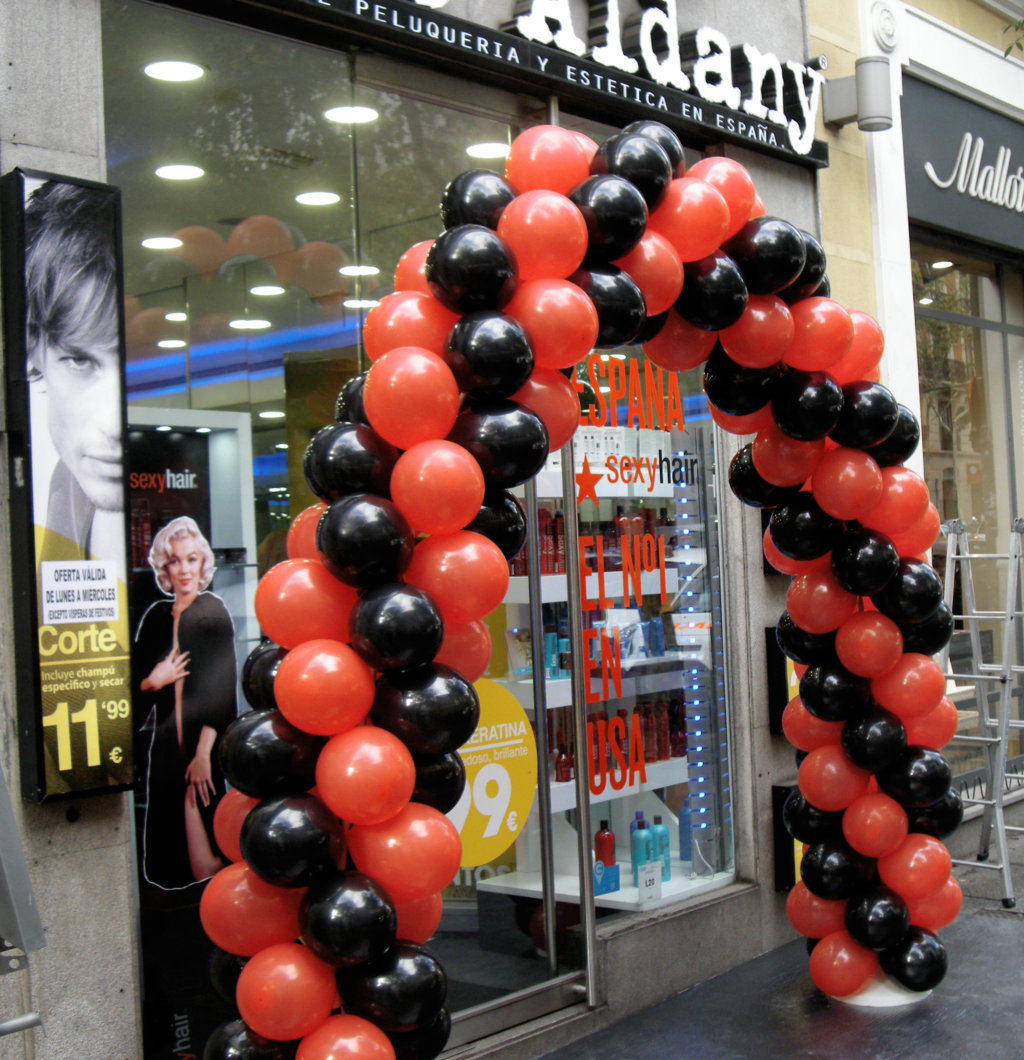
x: 865, y: 98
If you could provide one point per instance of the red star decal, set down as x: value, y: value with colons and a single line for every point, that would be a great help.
x: 586, y: 482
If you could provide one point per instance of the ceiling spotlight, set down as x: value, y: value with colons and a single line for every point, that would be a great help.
x: 171, y: 344
x: 163, y: 428
x: 271, y: 414
x: 175, y: 318
x: 317, y: 198
x: 359, y: 270
x: 173, y: 70
x: 925, y: 300
x: 161, y: 243
x: 266, y: 290
x: 491, y: 149
x: 942, y: 264
x: 360, y: 303
x: 249, y: 325
x: 281, y: 445
x: 180, y: 172
x: 351, y: 115
x: 202, y: 430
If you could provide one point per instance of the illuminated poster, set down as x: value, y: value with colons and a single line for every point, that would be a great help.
x: 63, y: 330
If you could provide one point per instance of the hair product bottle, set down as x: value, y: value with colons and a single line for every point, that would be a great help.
x: 604, y: 845
x: 641, y: 849
x: 662, y: 847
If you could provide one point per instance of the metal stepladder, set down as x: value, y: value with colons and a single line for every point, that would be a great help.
x: 993, y: 685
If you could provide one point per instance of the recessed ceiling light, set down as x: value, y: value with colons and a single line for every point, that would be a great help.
x: 202, y: 430
x: 249, y: 325
x: 278, y: 489
x: 491, y: 149
x: 180, y: 172
x: 163, y: 427
x: 281, y: 445
x: 175, y: 318
x: 271, y: 414
x: 317, y: 198
x: 171, y: 344
x: 351, y: 115
x: 942, y: 264
x: 173, y: 70
x: 925, y: 300
x: 359, y: 270
x: 161, y: 243
x: 266, y: 290
x: 360, y: 303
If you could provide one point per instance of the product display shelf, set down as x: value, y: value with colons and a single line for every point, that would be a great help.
x: 660, y: 775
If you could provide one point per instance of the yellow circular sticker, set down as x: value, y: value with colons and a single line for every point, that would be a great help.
x: 501, y: 777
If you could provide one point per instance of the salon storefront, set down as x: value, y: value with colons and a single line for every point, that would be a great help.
x: 267, y: 200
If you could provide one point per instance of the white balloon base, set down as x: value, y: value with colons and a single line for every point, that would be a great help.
x: 883, y: 992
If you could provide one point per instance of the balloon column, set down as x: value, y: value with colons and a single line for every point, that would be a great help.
x: 362, y: 692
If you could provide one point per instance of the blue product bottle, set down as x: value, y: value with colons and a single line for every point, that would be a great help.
x: 638, y: 817
x: 662, y: 849
x: 641, y: 849
x: 685, y: 840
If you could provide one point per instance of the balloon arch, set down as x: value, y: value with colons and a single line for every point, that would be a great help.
x: 363, y: 687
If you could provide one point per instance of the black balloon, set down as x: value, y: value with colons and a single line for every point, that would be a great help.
x: 258, y: 672
x: 714, y: 294
x: 918, y: 778
x: 769, y: 252
x: 918, y: 960
x: 806, y: 405
x: 291, y: 841
x: 746, y: 482
x: 402, y: 991
x: 471, y: 267
x: 931, y: 634
x: 801, y: 529
x: 615, y: 214
x: 807, y: 824
x: 348, y: 406
x: 877, y: 918
x: 501, y: 519
x: 734, y: 389
x: 264, y: 755
x: 394, y: 626
x: 874, y: 740
x: 440, y: 780
x: 833, y: 869
x: 345, y: 458
x: 901, y: 442
x: 665, y: 138
x: 824, y: 289
x: 651, y: 326
x: 489, y: 354
x: 830, y: 692
x: 809, y: 282
x: 621, y: 310
x: 507, y: 440
x: 868, y: 416
x: 476, y: 197
x: 424, y: 1043
x: 347, y: 918
x: 235, y: 1041
x: 432, y: 709
x: 864, y: 561
x: 225, y: 968
x: 914, y: 594
x: 940, y: 818
x: 637, y: 158
x: 802, y: 647
x: 365, y: 541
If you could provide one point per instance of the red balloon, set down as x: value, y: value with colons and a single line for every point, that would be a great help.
x: 846, y: 483
x: 874, y: 824
x: 559, y: 319
x: 346, y: 1037
x: 783, y: 461
x: 921, y: 536
x: 693, y: 216
x: 822, y: 334
x: 418, y: 919
x: 817, y: 602
x: 869, y: 644
x: 918, y: 866
x: 934, y: 729
x: 839, y: 966
x: 786, y: 565
x: 547, y: 234
x: 314, y: 267
x: 438, y: 486
x: 865, y: 351
x: 679, y: 346
x: 407, y: 318
x: 813, y: 916
x: 912, y: 688
x: 465, y: 574
x: 323, y: 687
x: 301, y: 540
x: 243, y: 914
x: 751, y: 423
x: 410, y: 272
x: 829, y: 780
x: 553, y: 397
x: 757, y: 208
x: 410, y: 378
x: 466, y: 649
x: 733, y: 182
x: 547, y: 156
x: 231, y: 811
x: 903, y: 502
x: 415, y: 853
x: 655, y: 268
x: 261, y: 236
x: 938, y: 908
x: 761, y: 335
x: 299, y: 599
x: 805, y: 731
x: 284, y: 992
x: 365, y: 775
x: 201, y: 247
